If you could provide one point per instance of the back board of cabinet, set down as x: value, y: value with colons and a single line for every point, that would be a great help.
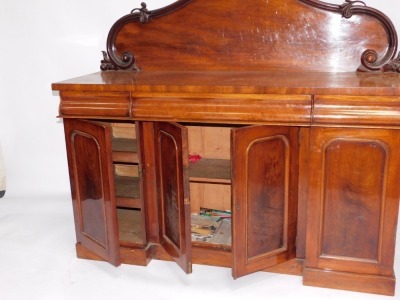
x: 262, y: 111
x: 288, y: 35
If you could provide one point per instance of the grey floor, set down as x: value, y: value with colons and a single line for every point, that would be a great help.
x: 37, y: 261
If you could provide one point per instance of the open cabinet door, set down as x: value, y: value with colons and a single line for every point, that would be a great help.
x: 264, y: 192
x: 173, y: 191
x: 92, y: 187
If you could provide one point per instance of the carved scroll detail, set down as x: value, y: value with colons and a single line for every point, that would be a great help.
x: 370, y: 61
x: 126, y: 61
x: 346, y: 7
x: 108, y: 65
x: 144, y: 13
x: 393, y: 65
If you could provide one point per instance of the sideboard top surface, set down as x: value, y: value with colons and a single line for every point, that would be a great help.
x: 237, y: 82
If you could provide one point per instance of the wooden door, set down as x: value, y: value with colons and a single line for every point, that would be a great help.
x: 173, y: 191
x: 353, y: 200
x: 264, y: 190
x: 92, y: 187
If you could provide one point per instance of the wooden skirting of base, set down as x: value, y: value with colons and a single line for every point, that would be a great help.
x: 82, y: 252
x: 375, y: 284
x: 200, y: 255
x: 213, y: 257
x: 136, y: 256
x: 131, y: 256
x: 290, y: 267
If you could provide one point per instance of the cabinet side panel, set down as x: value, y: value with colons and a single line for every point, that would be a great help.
x: 353, y: 198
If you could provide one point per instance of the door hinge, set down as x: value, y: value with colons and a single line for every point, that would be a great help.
x: 141, y: 170
x: 186, y: 201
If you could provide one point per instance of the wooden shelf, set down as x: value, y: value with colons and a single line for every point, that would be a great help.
x: 210, y: 170
x: 128, y: 203
x: 127, y: 191
x: 124, y: 150
x: 130, y: 226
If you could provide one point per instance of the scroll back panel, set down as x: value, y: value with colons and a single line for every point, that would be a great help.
x: 263, y: 35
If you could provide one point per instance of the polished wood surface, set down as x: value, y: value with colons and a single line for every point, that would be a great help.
x: 92, y: 187
x: 173, y: 192
x: 349, y: 281
x: 229, y: 82
x: 247, y: 98
x: 232, y: 35
x: 357, y: 111
x: 353, y: 198
x: 150, y: 207
x: 117, y: 104
x: 264, y: 200
x: 304, y: 150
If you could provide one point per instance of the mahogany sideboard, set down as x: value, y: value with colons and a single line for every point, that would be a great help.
x: 293, y: 108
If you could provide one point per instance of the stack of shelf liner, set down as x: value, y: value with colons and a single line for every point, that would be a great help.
x: 212, y: 226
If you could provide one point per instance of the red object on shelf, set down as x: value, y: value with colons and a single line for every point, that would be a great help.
x: 194, y: 158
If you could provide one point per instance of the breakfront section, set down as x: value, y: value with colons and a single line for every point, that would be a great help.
x: 353, y: 201
x: 144, y: 190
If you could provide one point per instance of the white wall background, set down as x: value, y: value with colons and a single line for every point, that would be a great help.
x: 44, y: 41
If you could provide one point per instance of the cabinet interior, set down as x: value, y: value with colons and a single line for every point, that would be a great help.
x: 209, y: 177
x: 209, y: 151
x: 125, y: 157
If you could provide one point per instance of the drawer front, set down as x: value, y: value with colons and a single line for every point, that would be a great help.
x: 220, y: 108
x: 95, y: 104
x: 356, y: 111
